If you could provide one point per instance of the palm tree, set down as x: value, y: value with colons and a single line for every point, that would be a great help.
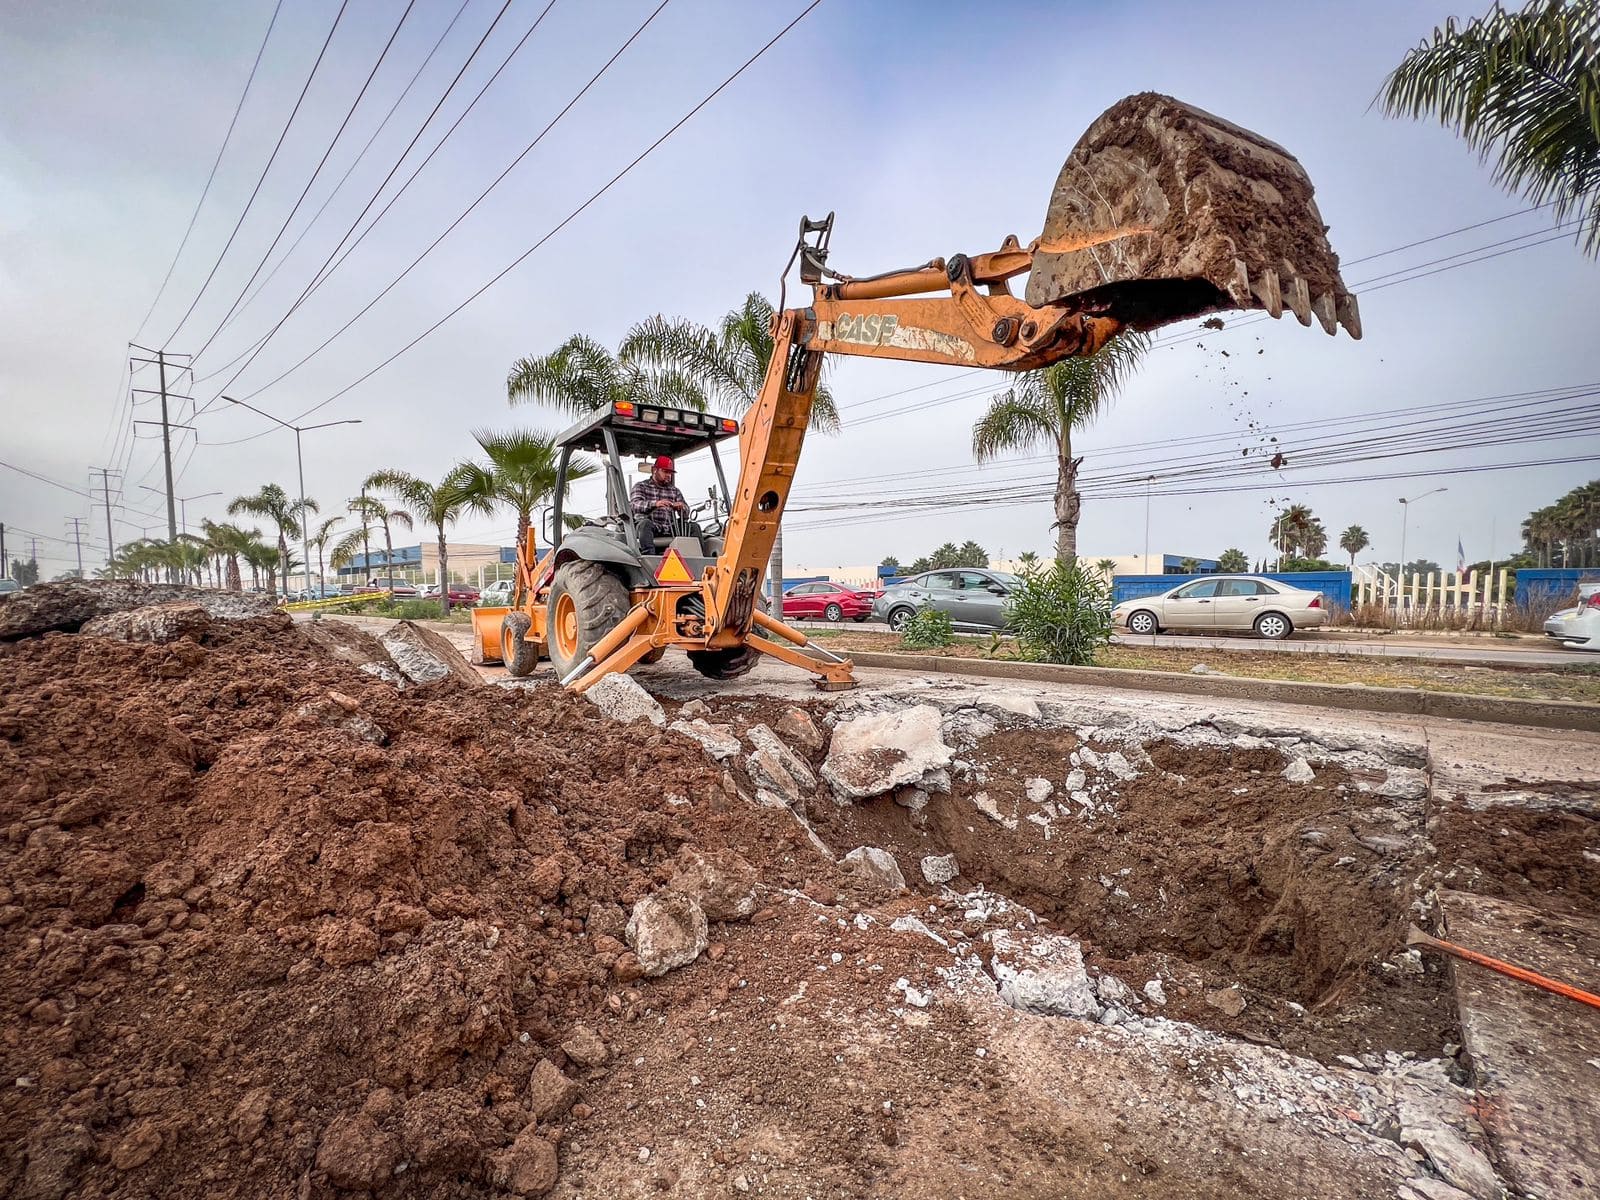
x: 374, y: 510
x: 272, y: 503
x: 520, y: 473
x: 1296, y: 530
x: 726, y: 366
x: 263, y: 558
x: 1045, y: 407
x: 1107, y: 567
x: 1353, y: 541
x: 1233, y: 561
x: 229, y: 543
x: 319, y: 538
x: 1028, y: 558
x: 1523, y: 88
x: 439, y: 504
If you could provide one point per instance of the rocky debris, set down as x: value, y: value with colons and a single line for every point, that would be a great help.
x: 1425, y: 1187
x: 772, y: 749
x: 987, y: 805
x: 69, y: 604
x: 1155, y: 993
x: 1299, y: 771
x: 691, y: 709
x: 423, y: 656
x: 527, y: 1167
x: 875, y: 752
x: 621, y: 698
x: 1202, y: 669
x: 1039, y: 790
x: 912, y: 798
x: 717, y: 740
x: 797, y: 727
x: 940, y: 868
x: 1459, y: 1164
x: 775, y: 787
x: 722, y: 882
x: 876, y: 866
x: 339, y: 711
x: 1043, y: 975
x: 550, y: 1093
x: 667, y: 930
x: 1228, y: 1001
x: 155, y: 623
x: 1435, y: 1118
x: 585, y: 1047
x: 1112, y: 991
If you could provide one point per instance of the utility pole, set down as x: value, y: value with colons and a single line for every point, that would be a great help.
x: 77, y: 540
x: 160, y: 362
x: 5, y: 563
x: 105, y: 491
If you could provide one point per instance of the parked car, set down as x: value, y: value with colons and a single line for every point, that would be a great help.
x: 9, y: 585
x: 326, y: 591
x: 826, y: 599
x: 399, y: 586
x: 496, y: 594
x: 1578, y: 626
x: 973, y: 599
x: 1225, y: 602
x: 460, y: 593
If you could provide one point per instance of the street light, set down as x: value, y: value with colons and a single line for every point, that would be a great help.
x: 1405, y: 512
x: 183, y: 501
x: 300, y: 462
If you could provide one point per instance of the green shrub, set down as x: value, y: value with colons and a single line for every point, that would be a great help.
x: 928, y: 628
x: 1061, y: 613
x: 417, y: 610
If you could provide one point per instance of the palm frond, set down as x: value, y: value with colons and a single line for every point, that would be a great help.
x: 579, y: 376
x: 1018, y: 419
x: 689, y: 350
x: 1523, y: 90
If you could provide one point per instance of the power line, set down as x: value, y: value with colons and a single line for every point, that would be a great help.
x: 216, y: 162
x: 66, y: 487
x: 528, y: 149
x: 272, y: 158
x: 316, y: 172
x: 570, y: 217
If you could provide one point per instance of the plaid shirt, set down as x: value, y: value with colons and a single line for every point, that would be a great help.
x: 644, y: 496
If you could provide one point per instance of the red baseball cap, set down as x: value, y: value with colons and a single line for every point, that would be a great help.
x: 663, y: 463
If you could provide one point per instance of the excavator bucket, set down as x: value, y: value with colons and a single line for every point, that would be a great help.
x: 1164, y: 212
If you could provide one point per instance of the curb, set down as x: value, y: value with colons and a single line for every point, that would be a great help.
x: 1457, y: 706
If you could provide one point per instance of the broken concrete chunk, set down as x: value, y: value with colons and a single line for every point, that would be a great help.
x: 768, y: 743
x: 667, y: 930
x: 876, y: 752
x: 985, y: 804
x: 1043, y: 975
x: 1229, y: 1001
x: 940, y: 868
x: 769, y: 777
x: 622, y: 699
x: 718, y: 741
x: 1299, y: 771
x: 1113, y: 991
x: 424, y: 656
x: 155, y: 623
x: 875, y: 865
x: 1039, y: 790
x: 1155, y: 993
x: 911, y: 797
x: 720, y: 881
x: 68, y: 604
x: 1458, y: 1162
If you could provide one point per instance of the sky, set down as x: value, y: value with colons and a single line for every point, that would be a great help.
x: 928, y: 128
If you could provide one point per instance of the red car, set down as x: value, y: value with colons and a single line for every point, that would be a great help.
x: 830, y: 601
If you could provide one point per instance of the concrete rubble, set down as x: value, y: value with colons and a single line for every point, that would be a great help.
x: 621, y: 698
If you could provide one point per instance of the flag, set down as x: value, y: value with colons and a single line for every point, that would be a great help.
x: 1461, y: 558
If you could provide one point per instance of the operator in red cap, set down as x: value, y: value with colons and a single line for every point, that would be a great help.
x: 659, y: 509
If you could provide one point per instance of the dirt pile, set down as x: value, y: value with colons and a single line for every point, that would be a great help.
x: 272, y: 927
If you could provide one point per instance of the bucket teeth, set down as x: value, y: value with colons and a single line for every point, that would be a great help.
x: 1266, y: 291
x: 1296, y: 293
x: 1322, y: 306
x: 1239, y: 287
x: 1349, y: 314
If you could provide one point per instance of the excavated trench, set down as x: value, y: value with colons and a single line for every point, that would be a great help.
x: 1268, y: 908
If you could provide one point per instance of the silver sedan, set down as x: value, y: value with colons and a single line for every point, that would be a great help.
x: 1225, y: 602
x: 971, y: 598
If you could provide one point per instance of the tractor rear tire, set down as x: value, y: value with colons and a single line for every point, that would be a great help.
x: 586, y: 603
x: 518, y: 653
x: 725, y: 664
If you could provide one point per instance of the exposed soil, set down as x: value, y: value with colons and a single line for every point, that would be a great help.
x: 1545, y: 854
x: 267, y: 922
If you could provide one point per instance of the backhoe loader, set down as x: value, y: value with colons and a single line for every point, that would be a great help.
x: 1162, y: 213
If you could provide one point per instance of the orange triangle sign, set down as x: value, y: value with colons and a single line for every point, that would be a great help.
x: 673, y: 569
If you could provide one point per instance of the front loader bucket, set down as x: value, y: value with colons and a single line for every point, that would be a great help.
x: 1221, y: 218
x: 486, y: 624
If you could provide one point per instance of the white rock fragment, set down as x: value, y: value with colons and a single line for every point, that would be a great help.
x: 985, y: 804
x: 1043, y: 975
x: 1075, y: 780
x: 1299, y: 771
x: 767, y: 742
x: 940, y: 868
x: 1155, y: 993
x: 622, y: 699
x: 876, y: 866
x: 875, y: 752
x: 667, y: 930
x: 718, y: 741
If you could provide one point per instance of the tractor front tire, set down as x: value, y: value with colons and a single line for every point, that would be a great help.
x: 518, y: 653
x: 725, y: 664
x: 586, y: 603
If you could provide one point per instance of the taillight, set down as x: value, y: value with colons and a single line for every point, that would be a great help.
x: 1316, y: 602
x: 1593, y: 601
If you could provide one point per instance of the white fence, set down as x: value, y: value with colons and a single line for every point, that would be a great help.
x: 1419, y: 598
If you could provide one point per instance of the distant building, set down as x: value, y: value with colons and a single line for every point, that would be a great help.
x: 420, y: 563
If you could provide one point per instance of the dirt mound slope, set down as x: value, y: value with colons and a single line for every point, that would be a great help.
x: 271, y: 927
x: 69, y: 604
